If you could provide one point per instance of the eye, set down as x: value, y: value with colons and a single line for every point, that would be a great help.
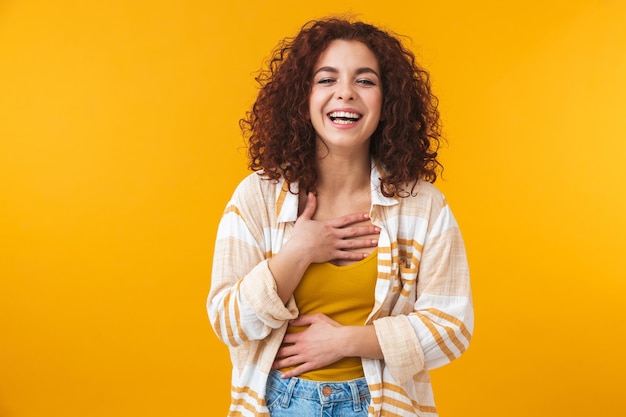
x: 325, y: 80
x: 365, y: 81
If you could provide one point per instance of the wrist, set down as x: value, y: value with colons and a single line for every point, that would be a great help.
x: 297, y: 254
x: 360, y: 341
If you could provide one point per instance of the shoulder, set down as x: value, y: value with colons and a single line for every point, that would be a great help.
x: 256, y: 186
x: 414, y: 194
x: 425, y: 199
x: 425, y: 210
x: 426, y: 190
x: 258, y: 197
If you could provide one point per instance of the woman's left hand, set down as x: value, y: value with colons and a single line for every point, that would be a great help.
x: 310, y: 349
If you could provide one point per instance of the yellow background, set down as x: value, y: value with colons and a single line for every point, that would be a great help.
x: 119, y: 147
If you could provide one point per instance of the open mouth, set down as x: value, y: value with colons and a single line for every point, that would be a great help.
x: 344, y: 117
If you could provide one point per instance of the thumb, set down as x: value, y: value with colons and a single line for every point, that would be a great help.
x: 309, y: 207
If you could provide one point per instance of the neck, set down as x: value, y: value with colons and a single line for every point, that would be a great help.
x: 345, y: 175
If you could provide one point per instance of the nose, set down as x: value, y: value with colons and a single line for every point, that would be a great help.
x: 345, y: 91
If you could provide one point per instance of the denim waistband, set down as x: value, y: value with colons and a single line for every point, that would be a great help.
x: 325, y: 392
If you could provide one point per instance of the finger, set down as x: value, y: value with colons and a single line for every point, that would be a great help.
x: 357, y: 243
x: 307, y: 320
x: 297, y: 371
x: 356, y: 231
x: 281, y: 363
x: 285, y: 352
x: 300, y: 321
x: 309, y: 207
x: 348, y: 219
x: 290, y: 338
x: 346, y: 255
x: 287, y: 361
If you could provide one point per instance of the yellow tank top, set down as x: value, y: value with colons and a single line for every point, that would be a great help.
x: 345, y: 294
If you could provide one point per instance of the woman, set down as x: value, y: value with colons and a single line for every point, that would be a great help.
x: 339, y: 274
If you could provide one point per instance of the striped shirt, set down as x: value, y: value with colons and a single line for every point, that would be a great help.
x: 422, y: 313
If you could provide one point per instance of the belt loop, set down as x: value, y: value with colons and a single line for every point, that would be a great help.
x: 356, y: 398
x: 288, y: 392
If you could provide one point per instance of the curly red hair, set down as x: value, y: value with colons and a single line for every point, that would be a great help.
x: 281, y: 139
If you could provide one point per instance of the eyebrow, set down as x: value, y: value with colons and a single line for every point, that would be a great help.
x: 359, y: 71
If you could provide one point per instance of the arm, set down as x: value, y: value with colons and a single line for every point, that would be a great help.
x: 242, y: 303
x: 251, y: 295
x: 439, y: 327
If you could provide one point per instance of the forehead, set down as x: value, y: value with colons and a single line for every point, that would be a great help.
x: 341, y: 52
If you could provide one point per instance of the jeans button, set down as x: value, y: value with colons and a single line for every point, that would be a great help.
x: 327, y: 390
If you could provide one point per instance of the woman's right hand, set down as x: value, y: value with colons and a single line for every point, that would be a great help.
x: 327, y: 240
x: 317, y: 241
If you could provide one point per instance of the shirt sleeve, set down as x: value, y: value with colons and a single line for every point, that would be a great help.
x: 243, y: 303
x: 437, y: 327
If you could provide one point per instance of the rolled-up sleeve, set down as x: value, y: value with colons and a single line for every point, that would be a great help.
x: 436, y: 327
x: 242, y: 303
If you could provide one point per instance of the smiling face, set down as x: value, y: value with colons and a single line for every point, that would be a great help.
x: 346, y: 96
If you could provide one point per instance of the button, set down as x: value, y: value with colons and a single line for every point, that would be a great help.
x: 327, y: 391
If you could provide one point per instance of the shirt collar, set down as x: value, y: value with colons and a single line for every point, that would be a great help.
x: 287, y: 202
x: 378, y: 199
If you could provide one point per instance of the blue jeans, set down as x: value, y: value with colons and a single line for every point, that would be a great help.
x: 293, y: 397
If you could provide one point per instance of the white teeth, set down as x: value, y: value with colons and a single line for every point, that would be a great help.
x: 344, y: 115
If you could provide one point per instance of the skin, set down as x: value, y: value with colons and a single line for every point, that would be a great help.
x: 334, y: 224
